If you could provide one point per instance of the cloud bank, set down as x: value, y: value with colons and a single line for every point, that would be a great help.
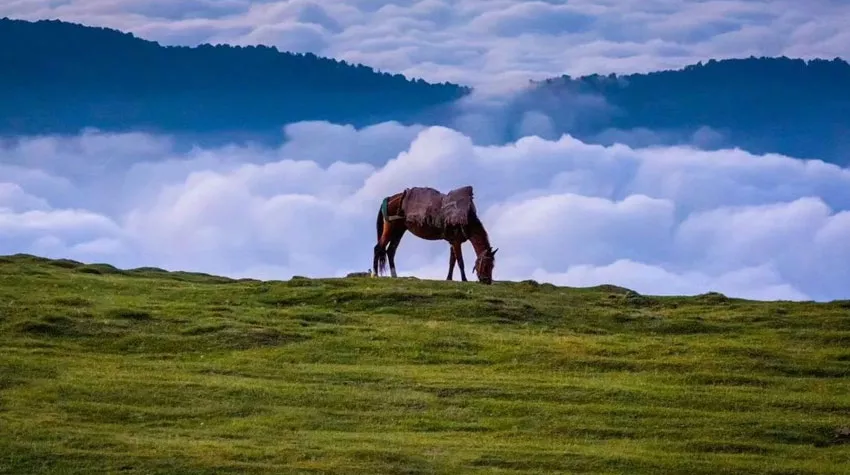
x: 482, y: 41
x: 657, y: 219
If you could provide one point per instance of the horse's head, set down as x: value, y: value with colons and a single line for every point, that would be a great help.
x: 484, y: 265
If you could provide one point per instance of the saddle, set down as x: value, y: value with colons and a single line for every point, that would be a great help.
x: 427, y: 206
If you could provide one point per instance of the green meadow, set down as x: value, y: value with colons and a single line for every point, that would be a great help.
x: 151, y: 372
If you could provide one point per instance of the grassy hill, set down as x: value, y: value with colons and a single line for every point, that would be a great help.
x: 146, y: 371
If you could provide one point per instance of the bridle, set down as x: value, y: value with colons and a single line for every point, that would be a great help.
x: 490, y: 255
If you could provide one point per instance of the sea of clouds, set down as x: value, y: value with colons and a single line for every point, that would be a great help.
x: 657, y: 219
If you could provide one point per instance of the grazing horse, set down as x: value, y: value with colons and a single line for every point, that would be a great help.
x: 398, y: 214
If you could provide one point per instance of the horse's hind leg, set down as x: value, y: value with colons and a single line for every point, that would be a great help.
x: 394, y: 242
x: 458, y: 253
x: 379, y: 260
x: 451, y: 263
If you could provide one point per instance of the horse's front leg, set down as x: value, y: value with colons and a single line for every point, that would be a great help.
x: 458, y: 254
x: 451, y: 263
x: 391, y: 249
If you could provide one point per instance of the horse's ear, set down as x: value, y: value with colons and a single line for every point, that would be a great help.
x: 494, y: 251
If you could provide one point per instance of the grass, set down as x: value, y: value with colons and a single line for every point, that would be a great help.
x: 105, y: 370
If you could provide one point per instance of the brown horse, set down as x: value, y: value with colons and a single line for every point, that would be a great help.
x: 392, y: 225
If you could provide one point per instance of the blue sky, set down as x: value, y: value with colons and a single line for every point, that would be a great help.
x: 655, y: 218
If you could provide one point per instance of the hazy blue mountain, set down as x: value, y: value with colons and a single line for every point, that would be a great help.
x: 60, y: 77
x: 791, y: 106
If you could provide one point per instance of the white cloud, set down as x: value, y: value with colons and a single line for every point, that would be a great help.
x: 659, y: 219
x: 761, y: 283
x: 14, y: 198
x: 534, y: 17
x: 569, y: 229
x: 477, y: 41
x: 295, y: 37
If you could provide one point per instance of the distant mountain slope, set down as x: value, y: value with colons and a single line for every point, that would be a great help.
x: 60, y: 77
x: 800, y: 108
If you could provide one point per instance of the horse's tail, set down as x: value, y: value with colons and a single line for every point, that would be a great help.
x: 380, y: 259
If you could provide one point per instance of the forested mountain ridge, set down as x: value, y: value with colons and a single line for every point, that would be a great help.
x: 792, y: 106
x: 60, y: 77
